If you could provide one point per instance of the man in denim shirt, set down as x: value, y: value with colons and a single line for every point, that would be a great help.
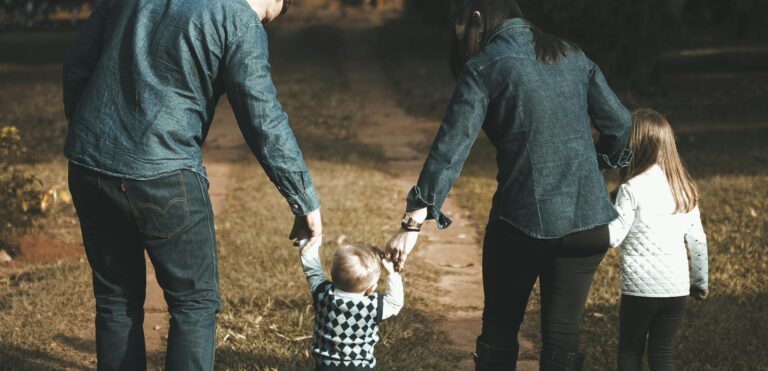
x: 140, y: 87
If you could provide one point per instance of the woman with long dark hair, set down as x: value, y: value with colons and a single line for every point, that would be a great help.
x: 535, y: 96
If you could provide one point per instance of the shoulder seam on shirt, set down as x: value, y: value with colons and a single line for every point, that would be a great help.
x: 248, y: 27
x: 479, y: 82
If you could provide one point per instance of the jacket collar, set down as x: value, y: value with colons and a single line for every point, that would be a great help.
x: 509, y: 24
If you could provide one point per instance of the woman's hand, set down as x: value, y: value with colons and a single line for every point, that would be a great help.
x: 399, y: 246
x: 402, y: 242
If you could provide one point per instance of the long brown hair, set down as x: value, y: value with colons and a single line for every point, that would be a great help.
x: 548, y: 48
x: 653, y: 142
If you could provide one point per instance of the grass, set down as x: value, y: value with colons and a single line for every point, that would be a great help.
x: 725, y: 332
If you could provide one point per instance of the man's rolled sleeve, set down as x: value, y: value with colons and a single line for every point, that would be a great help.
x: 304, y: 203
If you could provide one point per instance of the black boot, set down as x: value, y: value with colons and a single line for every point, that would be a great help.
x: 491, y: 358
x: 558, y: 361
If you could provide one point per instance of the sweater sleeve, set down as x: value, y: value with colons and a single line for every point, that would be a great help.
x: 310, y: 261
x: 626, y: 206
x: 394, y: 298
x: 696, y: 241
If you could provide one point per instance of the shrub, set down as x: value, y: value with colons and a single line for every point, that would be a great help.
x: 20, y: 193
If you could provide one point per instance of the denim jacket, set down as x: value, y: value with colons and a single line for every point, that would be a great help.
x: 538, y: 117
x: 143, y: 79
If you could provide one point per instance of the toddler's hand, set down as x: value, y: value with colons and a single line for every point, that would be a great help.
x: 699, y: 293
x: 388, y: 266
x: 307, y: 246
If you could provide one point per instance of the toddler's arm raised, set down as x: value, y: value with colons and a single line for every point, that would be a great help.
x: 394, y: 297
x: 313, y: 269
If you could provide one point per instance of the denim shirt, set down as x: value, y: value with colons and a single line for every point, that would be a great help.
x: 538, y: 117
x: 143, y: 79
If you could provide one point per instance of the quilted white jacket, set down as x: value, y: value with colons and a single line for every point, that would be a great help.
x: 653, y: 239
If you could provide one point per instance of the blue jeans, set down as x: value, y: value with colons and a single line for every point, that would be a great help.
x: 171, y: 218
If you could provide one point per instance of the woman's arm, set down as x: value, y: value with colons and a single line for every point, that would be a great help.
x: 696, y: 241
x: 611, y: 118
x: 458, y: 132
x: 626, y: 207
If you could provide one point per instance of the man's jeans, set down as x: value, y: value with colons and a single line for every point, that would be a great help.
x: 171, y: 218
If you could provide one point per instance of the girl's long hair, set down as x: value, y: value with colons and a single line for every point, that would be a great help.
x: 653, y: 142
x: 549, y: 49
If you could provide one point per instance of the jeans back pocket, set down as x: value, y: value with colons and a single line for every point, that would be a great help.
x: 160, y: 204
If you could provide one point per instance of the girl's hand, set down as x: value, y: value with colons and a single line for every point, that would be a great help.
x: 399, y: 246
x: 699, y: 293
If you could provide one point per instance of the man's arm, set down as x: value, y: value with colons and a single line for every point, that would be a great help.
x: 261, y: 118
x: 82, y: 58
x: 612, y: 120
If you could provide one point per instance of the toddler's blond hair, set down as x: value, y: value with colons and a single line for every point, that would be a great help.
x: 356, y: 267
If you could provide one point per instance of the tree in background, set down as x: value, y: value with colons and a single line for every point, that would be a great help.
x: 20, y: 191
x: 626, y: 37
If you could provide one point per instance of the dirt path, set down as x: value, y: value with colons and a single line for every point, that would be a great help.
x: 455, y: 250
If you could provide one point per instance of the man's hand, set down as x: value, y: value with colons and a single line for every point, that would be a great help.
x: 308, y: 227
x: 699, y: 293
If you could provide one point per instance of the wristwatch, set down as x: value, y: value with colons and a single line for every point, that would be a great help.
x: 410, y: 224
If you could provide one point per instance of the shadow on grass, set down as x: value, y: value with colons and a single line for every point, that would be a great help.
x: 240, y: 360
x: 14, y: 357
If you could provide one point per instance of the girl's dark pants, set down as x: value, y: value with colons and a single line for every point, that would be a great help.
x: 512, y: 261
x: 655, y: 320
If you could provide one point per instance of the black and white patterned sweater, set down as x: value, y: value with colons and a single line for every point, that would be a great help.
x: 346, y: 327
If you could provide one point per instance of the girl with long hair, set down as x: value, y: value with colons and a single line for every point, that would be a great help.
x: 658, y: 218
x: 536, y: 97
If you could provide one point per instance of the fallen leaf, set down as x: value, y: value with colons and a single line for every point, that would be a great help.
x: 341, y: 239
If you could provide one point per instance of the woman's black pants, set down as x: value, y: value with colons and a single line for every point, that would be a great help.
x: 512, y: 261
x: 655, y: 320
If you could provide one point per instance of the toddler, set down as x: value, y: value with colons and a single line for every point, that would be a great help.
x: 349, y: 310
